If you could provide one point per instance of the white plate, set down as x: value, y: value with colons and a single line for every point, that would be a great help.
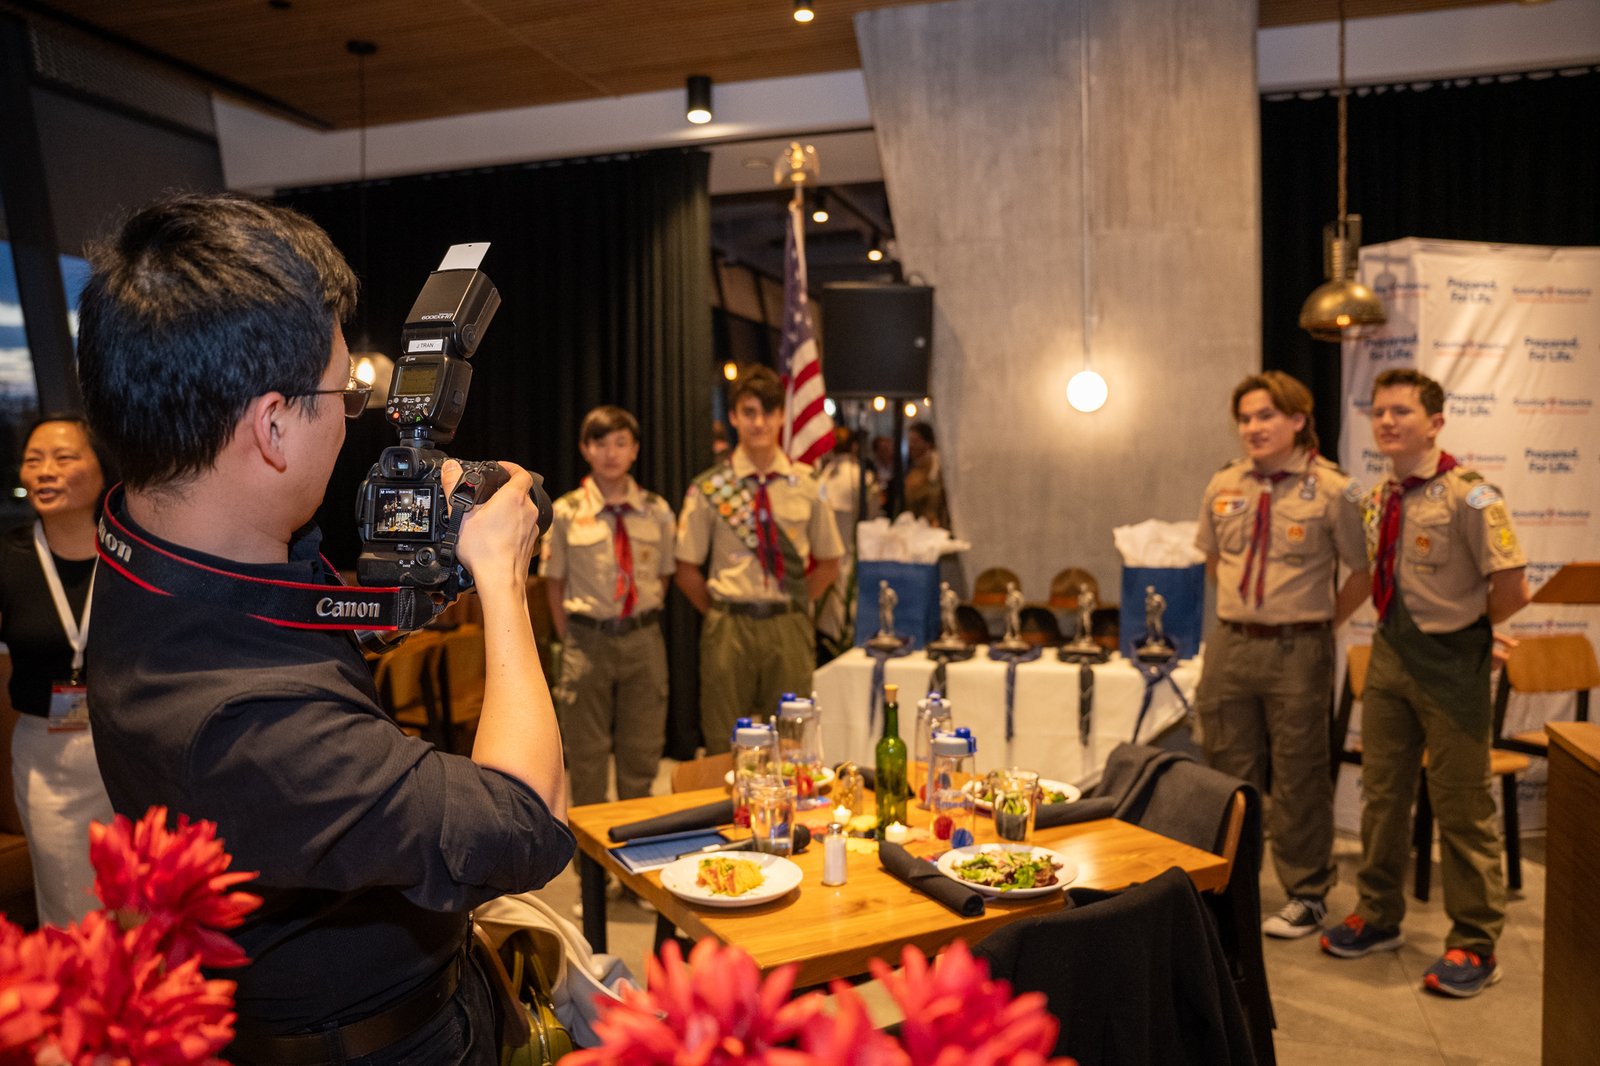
x: 1071, y: 791
x: 1065, y: 875
x: 781, y: 876
x: 825, y: 781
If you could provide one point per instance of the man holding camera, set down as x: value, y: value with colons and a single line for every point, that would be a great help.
x: 214, y: 370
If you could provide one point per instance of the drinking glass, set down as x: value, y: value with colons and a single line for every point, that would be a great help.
x: 1015, y: 796
x: 772, y: 806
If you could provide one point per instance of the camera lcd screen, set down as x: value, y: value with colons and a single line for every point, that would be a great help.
x: 417, y: 380
x: 404, y: 513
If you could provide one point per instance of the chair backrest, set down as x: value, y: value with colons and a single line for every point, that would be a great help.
x: 1133, y: 976
x: 1064, y: 587
x: 460, y: 674
x: 1357, y: 658
x: 1039, y: 627
x: 404, y: 678
x: 708, y: 772
x: 990, y: 587
x: 1562, y: 663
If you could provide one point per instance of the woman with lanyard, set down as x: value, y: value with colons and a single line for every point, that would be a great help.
x: 46, y: 577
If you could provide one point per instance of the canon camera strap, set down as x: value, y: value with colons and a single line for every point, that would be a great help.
x: 296, y: 605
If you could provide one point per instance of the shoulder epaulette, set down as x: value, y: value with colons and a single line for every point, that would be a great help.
x: 1467, y: 475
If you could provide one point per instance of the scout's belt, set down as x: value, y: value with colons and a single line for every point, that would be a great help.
x: 1250, y: 629
x: 761, y: 609
x: 615, y: 627
x: 357, y: 1039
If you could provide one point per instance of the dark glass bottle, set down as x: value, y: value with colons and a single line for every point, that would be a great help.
x: 891, y: 792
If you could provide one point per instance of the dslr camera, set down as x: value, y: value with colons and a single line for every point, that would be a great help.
x: 409, y: 527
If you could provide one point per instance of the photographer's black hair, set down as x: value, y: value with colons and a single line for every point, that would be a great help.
x: 200, y: 304
x: 606, y: 420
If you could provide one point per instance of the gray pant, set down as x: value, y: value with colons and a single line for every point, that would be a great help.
x: 612, y: 700
x: 1266, y: 701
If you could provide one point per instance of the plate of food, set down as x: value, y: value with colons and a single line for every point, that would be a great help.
x: 821, y: 783
x: 1054, y: 792
x: 730, y: 878
x: 1010, y: 871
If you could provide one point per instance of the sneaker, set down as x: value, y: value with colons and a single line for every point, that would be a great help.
x: 1300, y: 917
x: 1461, y: 973
x: 1354, y: 938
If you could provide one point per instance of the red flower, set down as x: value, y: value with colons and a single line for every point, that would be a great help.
x: 173, y: 881
x: 714, y: 1010
x: 956, y: 1016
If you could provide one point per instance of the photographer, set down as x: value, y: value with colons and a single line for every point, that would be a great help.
x: 214, y: 370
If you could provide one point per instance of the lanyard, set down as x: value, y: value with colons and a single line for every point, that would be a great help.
x: 77, y: 630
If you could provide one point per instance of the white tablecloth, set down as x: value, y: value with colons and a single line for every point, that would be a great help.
x: 1045, y: 715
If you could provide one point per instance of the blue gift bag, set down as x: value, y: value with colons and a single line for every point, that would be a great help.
x: 1185, y: 590
x: 915, y: 616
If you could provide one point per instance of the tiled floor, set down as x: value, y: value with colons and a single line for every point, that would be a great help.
x: 1333, y: 1011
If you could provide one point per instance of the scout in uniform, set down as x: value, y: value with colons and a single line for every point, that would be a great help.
x: 606, y: 560
x: 1274, y: 526
x: 758, y: 518
x: 1446, y: 566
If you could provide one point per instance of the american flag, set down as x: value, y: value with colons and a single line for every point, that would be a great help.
x: 807, y: 429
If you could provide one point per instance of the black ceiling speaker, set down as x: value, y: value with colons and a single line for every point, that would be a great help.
x: 876, y: 339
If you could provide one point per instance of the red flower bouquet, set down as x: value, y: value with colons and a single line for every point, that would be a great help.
x: 124, y: 986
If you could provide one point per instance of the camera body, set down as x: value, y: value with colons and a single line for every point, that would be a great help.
x: 408, y: 533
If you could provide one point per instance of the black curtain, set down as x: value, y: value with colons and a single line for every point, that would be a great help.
x: 601, y: 267
x: 1511, y: 160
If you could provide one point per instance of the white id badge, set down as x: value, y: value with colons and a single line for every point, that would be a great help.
x: 69, y: 708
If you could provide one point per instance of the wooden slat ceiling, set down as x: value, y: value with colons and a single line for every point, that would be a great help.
x: 448, y: 57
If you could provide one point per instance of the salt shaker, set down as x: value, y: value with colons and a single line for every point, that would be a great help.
x: 833, y: 855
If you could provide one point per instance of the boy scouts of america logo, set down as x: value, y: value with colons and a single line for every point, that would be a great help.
x: 1424, y: 544
x: 1296, y: 534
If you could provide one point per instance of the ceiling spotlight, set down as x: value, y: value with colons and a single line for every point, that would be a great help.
x: 819, y: 209
x: 699, y: 92
x: 879, y: 403
x: 911, y: 409
x: 927, y: 401
x: 730, y: 370
x: 803, y: 12
x: 875, y: 249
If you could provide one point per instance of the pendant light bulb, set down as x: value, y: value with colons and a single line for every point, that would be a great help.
x: 1087, y: 391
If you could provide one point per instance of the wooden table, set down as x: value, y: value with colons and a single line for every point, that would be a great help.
x: 832, y: 931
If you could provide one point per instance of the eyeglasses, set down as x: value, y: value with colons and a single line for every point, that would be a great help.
x: 355, y: 393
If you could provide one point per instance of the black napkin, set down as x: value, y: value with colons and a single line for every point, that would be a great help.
x: 926, y: 878
x: 702, y: 817
x: 1085, y: 810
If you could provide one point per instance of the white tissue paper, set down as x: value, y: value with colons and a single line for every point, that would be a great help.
x: 1157, y: 543
x: 909, y: 540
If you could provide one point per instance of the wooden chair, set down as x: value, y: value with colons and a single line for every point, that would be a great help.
x: 708, y: 772
x: 459, y: 681
x: 1039, y: 627
x: 989, y: 590
x: 1504, y: 765
x: 1064, y: 588
x: 404, y: 677
x: 1562, y: 663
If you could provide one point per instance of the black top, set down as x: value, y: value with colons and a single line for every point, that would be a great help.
x: 29, y: 625
x: 372, y: 845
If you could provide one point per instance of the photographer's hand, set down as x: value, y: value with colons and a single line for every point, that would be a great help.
x: 517, y: 732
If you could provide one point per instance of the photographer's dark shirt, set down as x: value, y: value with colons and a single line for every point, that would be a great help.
x: 371, y: 845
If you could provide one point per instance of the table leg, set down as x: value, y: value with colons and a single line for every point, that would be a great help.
x: 592, y: 891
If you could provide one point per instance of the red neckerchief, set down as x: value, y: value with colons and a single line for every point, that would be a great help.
x: 627, y: 590
x: 1260, y: 537
x: 1383, y: 583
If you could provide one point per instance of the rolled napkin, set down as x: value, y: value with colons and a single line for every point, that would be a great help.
x: 702, y: 817
x: 1085, y: 810
x: 926, y: 878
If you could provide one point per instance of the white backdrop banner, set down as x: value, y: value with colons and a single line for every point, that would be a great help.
x: 1512, y: 332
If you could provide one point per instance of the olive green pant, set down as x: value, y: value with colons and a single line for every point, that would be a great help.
x: 611, y: 699
x: 1266, y: 701
x: 746, y: 664
x: 1399, y: 719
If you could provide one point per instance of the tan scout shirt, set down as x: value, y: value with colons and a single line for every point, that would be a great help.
x: 736, y: 572
x: 1454, y: 532
x: 1316, y: 520
x: 579, y: 549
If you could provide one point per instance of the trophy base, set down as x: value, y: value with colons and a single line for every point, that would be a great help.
x: 1155, y: 654
x: 887, y: 643
x: 949, y: 651
x: 1088, y: 652
x: 1012, y: 646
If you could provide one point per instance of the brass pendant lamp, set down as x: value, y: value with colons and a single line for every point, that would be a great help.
x: 1341, y: 306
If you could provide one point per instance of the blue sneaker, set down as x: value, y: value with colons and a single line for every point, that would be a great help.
x: 1354, y: 938
x: 1461, y: 973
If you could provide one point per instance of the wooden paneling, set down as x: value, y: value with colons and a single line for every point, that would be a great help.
x: 460, y: 56
x: 1572, y: 898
